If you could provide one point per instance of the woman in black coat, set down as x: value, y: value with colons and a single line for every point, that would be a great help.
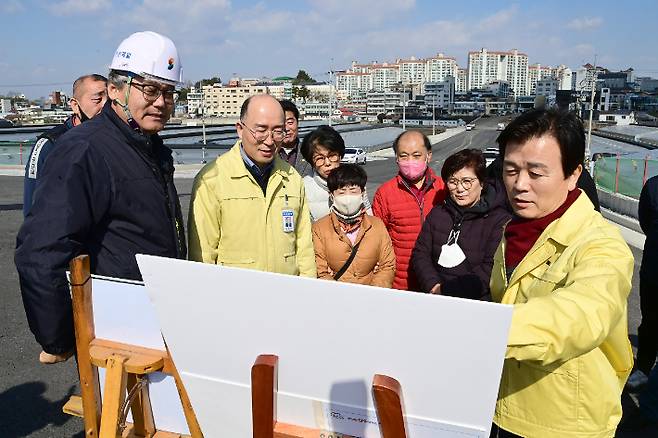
x: 454, y: 252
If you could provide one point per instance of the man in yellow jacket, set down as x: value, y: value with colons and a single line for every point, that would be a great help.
x: 248, y: 207
x: 567, y: 272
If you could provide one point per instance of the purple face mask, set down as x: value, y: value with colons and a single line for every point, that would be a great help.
x: 412, y: 170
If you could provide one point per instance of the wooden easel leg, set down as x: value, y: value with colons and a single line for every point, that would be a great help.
x: 114, y: 396
x: 143, y: 422
x: 83, y: 319
x: 264, y: 382
x: 190, y: 416
x: 389, y: 404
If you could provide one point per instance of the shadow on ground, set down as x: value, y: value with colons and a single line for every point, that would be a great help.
x: 24, y: 410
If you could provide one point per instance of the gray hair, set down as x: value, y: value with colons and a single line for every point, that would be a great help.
x: 117, y: 78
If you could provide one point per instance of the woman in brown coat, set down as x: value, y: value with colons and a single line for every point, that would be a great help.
x: 350, y: 245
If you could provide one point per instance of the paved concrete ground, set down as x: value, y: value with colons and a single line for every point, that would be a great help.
x: 31, y: 395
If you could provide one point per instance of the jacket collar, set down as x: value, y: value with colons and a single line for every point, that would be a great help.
x: 430, y: 181
x: 366, y: 224
x: 147, y: 144
x: 559, y: 234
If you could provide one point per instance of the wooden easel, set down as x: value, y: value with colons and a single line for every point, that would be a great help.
x: 386, y: 391
x: 126, y: 366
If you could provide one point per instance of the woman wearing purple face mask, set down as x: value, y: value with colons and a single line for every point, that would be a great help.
x: 404, y: 201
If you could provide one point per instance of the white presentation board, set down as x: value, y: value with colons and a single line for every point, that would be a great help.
x: 124, y: 313
x: 331, y: 339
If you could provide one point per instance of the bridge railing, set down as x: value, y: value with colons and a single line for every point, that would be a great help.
x: 624, y: 175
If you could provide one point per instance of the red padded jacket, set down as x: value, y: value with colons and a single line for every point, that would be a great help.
x: 403, y: 216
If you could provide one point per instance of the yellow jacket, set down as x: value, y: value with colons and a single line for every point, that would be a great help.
x: 568, y: 354
x: 232, y: 223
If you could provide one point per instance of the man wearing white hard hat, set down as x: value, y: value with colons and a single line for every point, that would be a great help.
x: 108, y: 191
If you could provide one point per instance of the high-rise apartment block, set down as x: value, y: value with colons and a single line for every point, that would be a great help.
x: 485, y: 67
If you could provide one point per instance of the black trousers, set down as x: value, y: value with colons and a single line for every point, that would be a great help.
x: 647, y: 332
x: 497, y: 432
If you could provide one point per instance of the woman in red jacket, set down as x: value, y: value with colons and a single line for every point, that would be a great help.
x: 404, y: 201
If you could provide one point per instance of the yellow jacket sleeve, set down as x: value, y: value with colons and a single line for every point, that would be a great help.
x: 204, y: 222
x: 577, y: 317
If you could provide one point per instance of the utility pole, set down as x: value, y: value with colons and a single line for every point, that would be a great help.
x: 203, y: 126
x: 331, y: 90
x: 404, y: 109
x: 434, y: 112
x: 591, y: 114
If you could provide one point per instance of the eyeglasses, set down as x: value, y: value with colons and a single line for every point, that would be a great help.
x: 319, y: 160
x: 151, y: 93
x: 261, y: 134
x: 466, y: 183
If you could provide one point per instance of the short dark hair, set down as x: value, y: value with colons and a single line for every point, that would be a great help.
x: 287, y: 105
x: 93, y: 77
x: 245, y: 107
x: 426, y: 140
x: 471, y: 158
x: 347, y: 175
x: 565, y: 126
x: 324, y: 136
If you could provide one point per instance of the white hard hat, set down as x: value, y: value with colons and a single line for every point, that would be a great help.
x: 150, y: 55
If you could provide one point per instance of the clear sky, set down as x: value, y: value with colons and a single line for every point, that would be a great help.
x: 45, y: 45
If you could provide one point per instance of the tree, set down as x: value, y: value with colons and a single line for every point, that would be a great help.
x: 303, y: 78
x: 213, y: 80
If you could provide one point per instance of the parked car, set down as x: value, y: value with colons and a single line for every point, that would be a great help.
x: 500, y: 127
x: 354, y: 155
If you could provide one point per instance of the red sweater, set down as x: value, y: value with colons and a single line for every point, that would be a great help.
x: 403, y: 216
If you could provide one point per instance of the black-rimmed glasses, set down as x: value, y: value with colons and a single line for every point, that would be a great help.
x: 151, y: 93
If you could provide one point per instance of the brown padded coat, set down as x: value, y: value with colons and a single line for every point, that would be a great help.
x: 374, y: 263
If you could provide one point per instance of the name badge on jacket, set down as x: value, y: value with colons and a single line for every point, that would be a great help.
x: 288, y: 217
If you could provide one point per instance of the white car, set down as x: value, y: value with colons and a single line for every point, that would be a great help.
x: 354, y: 155
x: 500, y: 127
x: 470, y: 126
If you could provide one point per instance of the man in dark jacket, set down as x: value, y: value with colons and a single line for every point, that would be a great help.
x: 89, y: 96
x: 647, y: 332
x: 290, y: 148
x: 108, y: 191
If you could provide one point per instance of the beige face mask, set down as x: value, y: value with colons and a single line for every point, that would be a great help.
x: 451, y: 254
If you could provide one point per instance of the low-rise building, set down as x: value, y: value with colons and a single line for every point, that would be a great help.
x: 617, y: 117
x: 440, y: 95
x: 221, y: 101
x: 378, y: 102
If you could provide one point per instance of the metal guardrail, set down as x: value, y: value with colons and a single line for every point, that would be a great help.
x: 627, y: 138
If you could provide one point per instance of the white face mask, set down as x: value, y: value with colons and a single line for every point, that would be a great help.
x: 348, y: 205
x: 451, y: 254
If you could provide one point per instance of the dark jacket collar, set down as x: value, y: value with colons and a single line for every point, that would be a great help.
x: 150, y: 145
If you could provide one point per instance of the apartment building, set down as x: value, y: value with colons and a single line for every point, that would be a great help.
x: 485, y: 66
x: 439, y: 67
x: 461, y: 80
x: 221, y: 101
x: 537, y: 72
x: 412, y: 70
